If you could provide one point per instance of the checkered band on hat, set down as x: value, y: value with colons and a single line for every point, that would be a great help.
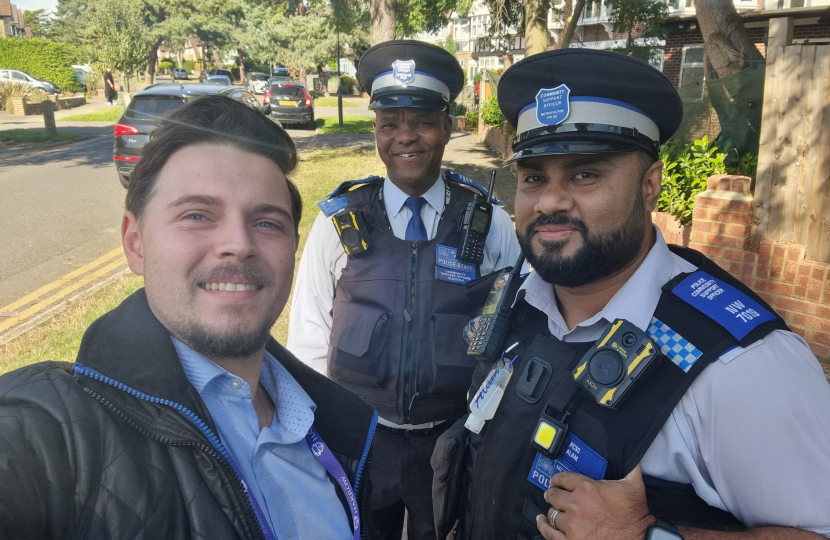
x: 674, y: 346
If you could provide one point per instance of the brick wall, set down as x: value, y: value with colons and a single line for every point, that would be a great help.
x: 21, y: 107
x: 798, y: 288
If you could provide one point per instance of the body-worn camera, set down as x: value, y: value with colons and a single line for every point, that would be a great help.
x: 353, y: 231
x: 622, y: 356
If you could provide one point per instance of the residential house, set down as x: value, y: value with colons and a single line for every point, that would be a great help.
x: 12, y: 21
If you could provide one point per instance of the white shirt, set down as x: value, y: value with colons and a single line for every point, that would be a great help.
x: 752, y: 433
x: 323, y: 260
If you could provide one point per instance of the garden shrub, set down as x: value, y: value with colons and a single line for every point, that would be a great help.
x: 472, y: 120
x: 189, y: 65
x: 491, y: 114
x: 346, y: 80
x: 457, y: 109
x: 686, y: 168
x: 10, y: 90
x: 47, y: 60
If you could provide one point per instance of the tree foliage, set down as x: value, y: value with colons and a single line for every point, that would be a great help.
x: 117, y: 37
x: 38, y: 21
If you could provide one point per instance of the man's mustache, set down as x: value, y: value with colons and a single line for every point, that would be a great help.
x: 556, y: 219
x: 227, y: 270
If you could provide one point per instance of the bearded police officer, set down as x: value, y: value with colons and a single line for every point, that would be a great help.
x: 380, y: 298
x: 650, y: 394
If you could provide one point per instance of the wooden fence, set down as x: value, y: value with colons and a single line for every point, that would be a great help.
x: 792, y: 191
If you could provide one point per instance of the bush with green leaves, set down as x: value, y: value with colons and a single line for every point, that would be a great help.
x: 11, y: 89
x: 491, y: 113
x: 165, y: 66
x: 686, y: 168
x: 457, y: 109
x: 189, y: 65
x: 41, y: 58
x: 346, y: 80
x: 472, y: 120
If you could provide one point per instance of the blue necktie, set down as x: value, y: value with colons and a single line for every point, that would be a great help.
x: 415, y: 230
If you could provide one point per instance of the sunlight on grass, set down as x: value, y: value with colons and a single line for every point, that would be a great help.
x: 318, y: 173
x: 35, y: 135
x: 110, y: 114
x: 351, y: 124
x: 332, y: 102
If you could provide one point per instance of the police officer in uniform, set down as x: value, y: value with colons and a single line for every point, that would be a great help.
x: 652, y: 394
x: 385, y: 318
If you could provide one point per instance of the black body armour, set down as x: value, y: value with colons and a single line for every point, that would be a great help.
x: 499, y: 499
x: 396, y: 335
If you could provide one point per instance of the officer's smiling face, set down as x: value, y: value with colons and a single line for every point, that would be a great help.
x: 581, y: 218
x: 411, y: 144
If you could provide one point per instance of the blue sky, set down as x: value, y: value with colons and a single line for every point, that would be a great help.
x: 30, y: 5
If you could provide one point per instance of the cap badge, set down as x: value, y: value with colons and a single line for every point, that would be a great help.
x: 553, y: 105
x: 403, y: 71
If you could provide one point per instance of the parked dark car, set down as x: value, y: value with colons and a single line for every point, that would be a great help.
x: 179, y: 73
x: 133, y: 129
x: 280, y: 71
x: 291, y: 104
x: 221, y: 80
x: 215, y: 71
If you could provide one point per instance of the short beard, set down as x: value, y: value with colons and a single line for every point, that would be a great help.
x: 598, y: 258
x: 232, y: 345
x: 236, y: 343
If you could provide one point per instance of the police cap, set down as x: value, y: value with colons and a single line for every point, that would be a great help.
x: 584, y: 101
x: 408, y: 73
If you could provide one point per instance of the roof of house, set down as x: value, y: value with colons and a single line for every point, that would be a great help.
x: 5, y: 8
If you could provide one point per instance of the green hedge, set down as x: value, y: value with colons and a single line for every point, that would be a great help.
x: 189, y: 65
x: 47, y: 60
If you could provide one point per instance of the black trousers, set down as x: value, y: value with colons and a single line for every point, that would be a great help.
x: 402, y: 480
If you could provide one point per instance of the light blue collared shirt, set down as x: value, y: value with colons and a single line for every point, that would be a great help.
x: 290, y: 485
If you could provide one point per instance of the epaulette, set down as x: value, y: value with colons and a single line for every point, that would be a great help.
x: 335, y: 201
x: 452, y: 176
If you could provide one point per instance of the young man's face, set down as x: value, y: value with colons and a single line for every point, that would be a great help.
x: 216, y: 247
x: 581, y: 218
x: 411, y: 144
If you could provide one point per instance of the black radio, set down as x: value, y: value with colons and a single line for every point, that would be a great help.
x: 475, y: 225
x: 491, y: 329
x: 353, y: 231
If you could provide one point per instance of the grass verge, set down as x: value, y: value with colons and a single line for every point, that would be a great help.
x: 331, y: 102
x: 318, y: 173
x: 351, y: 124
x: 34, y: 135
x: 110, y: 114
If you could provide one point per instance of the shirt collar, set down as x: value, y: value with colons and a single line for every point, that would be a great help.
x: 634, y: 302
x: 395, y: 197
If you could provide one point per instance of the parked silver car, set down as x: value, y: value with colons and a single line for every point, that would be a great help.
x: 32, y: 82
x: 255, y: 82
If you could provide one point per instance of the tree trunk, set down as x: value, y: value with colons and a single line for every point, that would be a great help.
x: 727, y: 45
x: 216, y: 59
x: 152, y: 62
x: 576, y: 14
x: 240, y: 59
x: 383, y: 14
x: 536, y: 26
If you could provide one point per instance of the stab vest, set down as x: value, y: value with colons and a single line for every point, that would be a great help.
x: 501, y: 503
x: 396, y: 334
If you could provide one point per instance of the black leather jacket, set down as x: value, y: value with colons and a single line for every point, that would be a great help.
x: 118, y: 444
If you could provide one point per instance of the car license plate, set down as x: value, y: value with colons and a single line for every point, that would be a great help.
x: 284, y: 103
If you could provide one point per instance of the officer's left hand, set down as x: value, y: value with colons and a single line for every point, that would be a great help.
x: 596, y: 510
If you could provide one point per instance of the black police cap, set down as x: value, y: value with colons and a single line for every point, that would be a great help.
x: 409, y: 73
x: 584, y: 101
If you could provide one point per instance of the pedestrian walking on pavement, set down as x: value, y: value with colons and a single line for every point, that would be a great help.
x: 387, y: 323
x: 109, y: 87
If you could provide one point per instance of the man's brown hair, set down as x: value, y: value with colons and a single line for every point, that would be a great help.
x: 213, y: 120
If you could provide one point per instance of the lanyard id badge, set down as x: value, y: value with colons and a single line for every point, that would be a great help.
x: 321, y: 452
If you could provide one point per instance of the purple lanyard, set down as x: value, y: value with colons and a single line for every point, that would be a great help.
x: 321, y: 451
x: 260, y: 515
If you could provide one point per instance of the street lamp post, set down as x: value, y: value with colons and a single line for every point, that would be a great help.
x: 339, y: 83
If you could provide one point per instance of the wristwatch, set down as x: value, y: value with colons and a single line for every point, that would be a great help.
x: 663, y: 531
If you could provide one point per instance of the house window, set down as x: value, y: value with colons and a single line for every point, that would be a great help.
x: 691, y: 68
x: 656, y: 59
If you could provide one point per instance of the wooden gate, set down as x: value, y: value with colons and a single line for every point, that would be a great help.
x: 792, y: 191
